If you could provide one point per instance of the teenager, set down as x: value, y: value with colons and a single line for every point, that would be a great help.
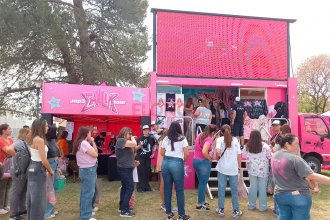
x: 229, y: 153
x: 175, y: 151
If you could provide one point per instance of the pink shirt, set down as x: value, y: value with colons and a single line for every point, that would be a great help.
x: 83, y: 159
x: 199, y: 147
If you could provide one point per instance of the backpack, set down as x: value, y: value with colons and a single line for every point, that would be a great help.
x: 22, y: 160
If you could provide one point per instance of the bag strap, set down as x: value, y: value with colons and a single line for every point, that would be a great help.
x: 27, y: 148
x: 223, y: 153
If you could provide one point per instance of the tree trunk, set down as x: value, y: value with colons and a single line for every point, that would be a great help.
x: 85, y: 51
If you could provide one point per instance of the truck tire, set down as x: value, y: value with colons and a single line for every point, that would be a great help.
x: 314, y: 163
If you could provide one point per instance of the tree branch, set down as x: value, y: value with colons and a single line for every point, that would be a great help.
x: 61, y: 2
x: 18, y: 90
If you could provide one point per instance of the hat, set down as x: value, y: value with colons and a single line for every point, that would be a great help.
x: 152, y: 123
x: 237, y: 99
x: 145, y: 127
x: 276, y: 122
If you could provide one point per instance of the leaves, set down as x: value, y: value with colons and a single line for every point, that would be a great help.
x: 84, y: 42
x: 314, y: 84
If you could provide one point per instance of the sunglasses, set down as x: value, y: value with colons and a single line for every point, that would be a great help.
x: 130, y: 133
x: 275, y: 125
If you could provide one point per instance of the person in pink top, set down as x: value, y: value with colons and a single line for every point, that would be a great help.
x: 86, y: 153
x: 202, y: 163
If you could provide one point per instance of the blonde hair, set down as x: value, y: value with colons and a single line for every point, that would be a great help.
x: 23, y: 133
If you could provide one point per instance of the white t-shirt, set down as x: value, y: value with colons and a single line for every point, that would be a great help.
x: 178, y: 147
x: 228, y: 164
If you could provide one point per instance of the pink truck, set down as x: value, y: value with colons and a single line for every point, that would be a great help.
x: 314, y: 137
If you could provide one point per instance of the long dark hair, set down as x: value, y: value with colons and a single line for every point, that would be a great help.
x: 38, y: 128
x: 82, y: 134
x: 175, y: 133
x: 289, y: 138
x: 189, y: 102
x: 254, y: 145
x: 51, y: 133
x: 226, y: 130
x: 64, y: 135
x: 207, y: 131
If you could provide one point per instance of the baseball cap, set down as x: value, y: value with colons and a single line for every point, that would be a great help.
x: 237, y: 99
x: 276, y: 122
x: 145, y: 127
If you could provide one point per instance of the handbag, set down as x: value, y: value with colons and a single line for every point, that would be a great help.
x: 8, y: 165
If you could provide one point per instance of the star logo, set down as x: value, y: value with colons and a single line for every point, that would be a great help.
x: 54, y: 103
x: 138, y: 95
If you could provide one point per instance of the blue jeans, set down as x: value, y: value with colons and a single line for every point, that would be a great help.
x: 50, y: 208
x: 87, y: 190
x: 258, y: 187
x: 222, y: 183
x: 293, y: 207
x: 127, y: 187
x: 36, y: 200
x: 173, y: 172
x: 202, y: 168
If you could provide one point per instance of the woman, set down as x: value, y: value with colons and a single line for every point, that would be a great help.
x: 125, y: 148
x: 229, y: 153
x: 203, y: 116
x: 224, y: 115
x: 291, y: 174
x: 36, y: 189
x: 86, y: 154
x: 63, y: 145
x: 188, y: 113
x: 159, y: 169
x: 52, y: 156
x: 202, y: 163
x: 18, y: 196
x: 175, y: 151
x: 6, y: 150
x: 258, y: 155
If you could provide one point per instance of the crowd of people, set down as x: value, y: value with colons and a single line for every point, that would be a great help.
x: 277, y: 166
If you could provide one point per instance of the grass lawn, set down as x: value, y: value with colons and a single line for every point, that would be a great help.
x: 148, y: 204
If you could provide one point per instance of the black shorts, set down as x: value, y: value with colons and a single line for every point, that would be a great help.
x: 238, y: 130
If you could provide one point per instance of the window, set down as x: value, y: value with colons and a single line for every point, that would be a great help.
x: 316, y: 126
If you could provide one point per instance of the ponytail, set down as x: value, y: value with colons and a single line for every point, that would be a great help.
x: 207, y: 131
x: 226, y: 130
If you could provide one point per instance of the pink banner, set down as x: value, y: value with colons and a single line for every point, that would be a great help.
x: 94, y: 100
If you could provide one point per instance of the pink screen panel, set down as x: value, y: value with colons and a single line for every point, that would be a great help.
x: 220, y: 46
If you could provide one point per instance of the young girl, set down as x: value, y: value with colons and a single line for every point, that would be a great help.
x: 86, y: 153
x: 174, y: 148
x: 258, y: 155
x: 202, y: 163
x: 36, y: 188
x: 229, y: 153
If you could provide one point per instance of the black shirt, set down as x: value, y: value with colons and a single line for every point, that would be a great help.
x: 99, y: 140
x: 124, y: 155
x: 240, y: 109
x: 146, y: 148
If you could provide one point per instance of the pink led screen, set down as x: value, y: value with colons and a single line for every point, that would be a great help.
x: 199, y: 45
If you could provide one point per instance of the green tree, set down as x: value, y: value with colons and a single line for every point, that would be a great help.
x: 314, y: 83
x: 82, y: 42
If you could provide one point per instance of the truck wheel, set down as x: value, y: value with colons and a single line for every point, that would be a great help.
x: 314, y: 163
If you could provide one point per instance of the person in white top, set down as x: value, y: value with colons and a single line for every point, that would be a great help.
x: 174, y: 148
x: 36, y: 186
x: 229, y: 153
